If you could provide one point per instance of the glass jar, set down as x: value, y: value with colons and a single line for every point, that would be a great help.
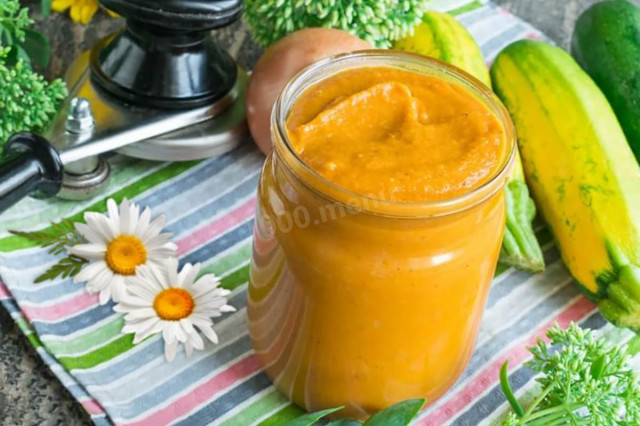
x: 362, y: 302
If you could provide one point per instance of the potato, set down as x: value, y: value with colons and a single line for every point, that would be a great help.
x: 280, y: 63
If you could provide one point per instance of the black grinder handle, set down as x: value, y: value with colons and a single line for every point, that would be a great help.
x: 30, y: 165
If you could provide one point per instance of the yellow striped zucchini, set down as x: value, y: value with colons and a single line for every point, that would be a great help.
x: 442, y: 37
x: 581, y: 171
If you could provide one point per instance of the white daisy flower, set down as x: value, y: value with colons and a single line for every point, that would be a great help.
x: 118, y: 244
x: 174, y: 303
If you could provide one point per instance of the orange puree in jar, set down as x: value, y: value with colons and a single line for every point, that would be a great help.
x: 397, y: 134
x: 378, y: 226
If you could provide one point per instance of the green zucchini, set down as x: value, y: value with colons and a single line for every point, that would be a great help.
x: 580, y: 170
x: 606, y: 42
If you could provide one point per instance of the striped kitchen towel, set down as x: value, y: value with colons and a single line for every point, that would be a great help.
x: 209, y: 206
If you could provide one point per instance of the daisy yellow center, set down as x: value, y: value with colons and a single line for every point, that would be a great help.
x: 124, y: 253
x: 173, y: 304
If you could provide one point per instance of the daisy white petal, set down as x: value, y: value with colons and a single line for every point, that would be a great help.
x: 112, y: 208
x: 134, y: 213
x: 101, y: 281
x: 170, y: 350
x: 89, y: 271
x: 141, y: 313
x: 88, y: 251
x: 131, y: 302
x: 130, y: 328
x: 182, y: 275
x: 208, y: 281
x: 118, y: 288
x: 191, y: 274
x: 172, y: 271
x: 143, y: 291
x: 188, y: 348
x: 187, y: 326
x: 167, y: 334
x: 160, y: 275
x: 143, y: 274
x: 92, y: 235
x: 158, y: 241
x: 105, y: 295
x: 154, y: 229
x: 159, y: 254
x: 201, y: 320
x: 126, y: 217
x: 143, y: 221
x: 109, y: 228
x: 145, y: 329
x: 158, y: 327
x: 195, y: 339
x: 100, y: 224
x: 178, y: 331
x: 209, y: 334
x: 140, y: 325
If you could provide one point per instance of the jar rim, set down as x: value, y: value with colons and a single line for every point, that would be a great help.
x: 315, y: 73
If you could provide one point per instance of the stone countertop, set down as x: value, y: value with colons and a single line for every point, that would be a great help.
x: 31, y: 395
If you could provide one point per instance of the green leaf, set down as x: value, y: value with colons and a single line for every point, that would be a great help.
x: 45, y: 8
x: 36, y: 47
x: 22, y: 54
x: 63, y: 234
x: 598, y: 366
x: 312, y: 418
x: 345, y: 422
x: 13, y: 55
x: 6, y: 39
x: 65, y: 268
x: 634, y: 346
x: 399, y: 414
x: 16, y: 53
x: 508, y: 392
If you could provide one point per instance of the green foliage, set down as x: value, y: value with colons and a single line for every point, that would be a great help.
x: 399, y: 414
x: 62, y: 235
x: 13, y: 21
x: 378, y: 21
x: 24, y: 43
x: 585, y: 382
x: 311, y: 418
x: 67, y: 267
x: 45, y: 8
x: 36, y: 47
x: 27, y: 100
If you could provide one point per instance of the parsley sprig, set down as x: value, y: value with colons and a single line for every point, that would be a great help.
x: 584, y: 381
x: 57, y: 239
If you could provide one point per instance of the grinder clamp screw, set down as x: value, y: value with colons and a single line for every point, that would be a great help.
x: 79, y: 116
x: 84, y: 178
